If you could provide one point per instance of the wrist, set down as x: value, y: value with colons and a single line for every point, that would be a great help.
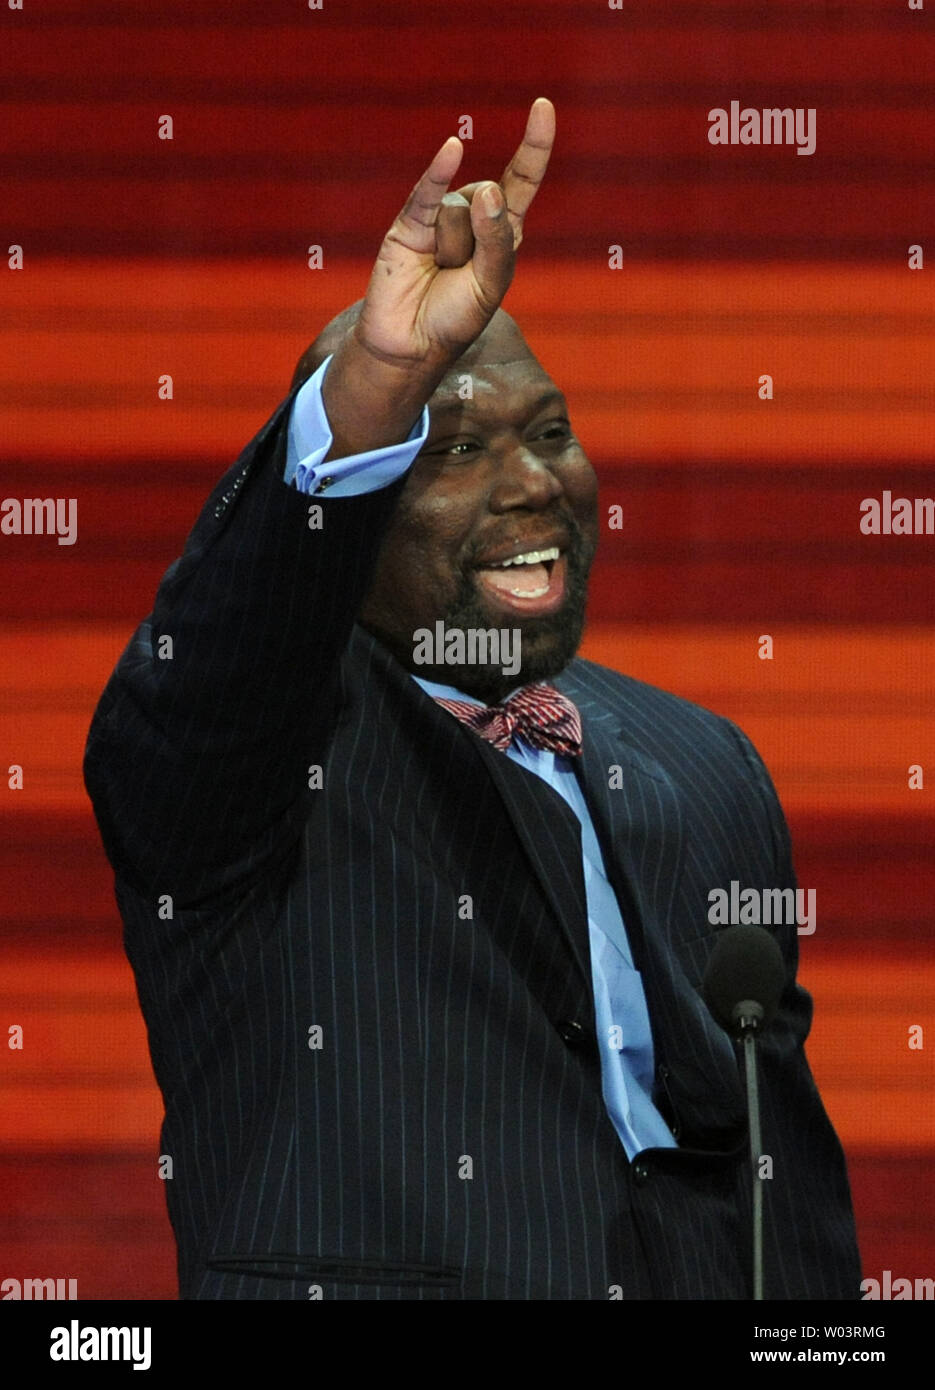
x: 372, y: 401
x: 421, y: 370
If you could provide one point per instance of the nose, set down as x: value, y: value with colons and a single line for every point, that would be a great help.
x: 523, y: 479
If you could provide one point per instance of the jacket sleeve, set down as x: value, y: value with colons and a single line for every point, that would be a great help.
x: 810, y: 1242
x: 204, y: 743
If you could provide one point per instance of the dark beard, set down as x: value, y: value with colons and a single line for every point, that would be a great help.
x: 547, y: 644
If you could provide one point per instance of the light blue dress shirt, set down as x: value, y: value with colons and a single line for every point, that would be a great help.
x: 310, y: 438
x: 623, y: 1030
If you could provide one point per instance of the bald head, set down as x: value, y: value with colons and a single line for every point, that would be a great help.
x: 500, y: 342
x: 327, y: 342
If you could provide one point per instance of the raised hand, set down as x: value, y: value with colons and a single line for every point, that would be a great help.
x: 442, y: 270
x: 448, y: 259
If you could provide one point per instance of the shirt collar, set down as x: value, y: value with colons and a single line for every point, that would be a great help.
x: 448, y: 692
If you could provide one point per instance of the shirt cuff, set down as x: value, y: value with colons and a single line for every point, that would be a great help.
x: 310, y: 438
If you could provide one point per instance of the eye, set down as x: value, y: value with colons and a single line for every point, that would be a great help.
x: 457, y: 448
x: 555, y: 429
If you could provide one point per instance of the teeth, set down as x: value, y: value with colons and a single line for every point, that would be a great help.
x: 529, y: 593
x: 531, y: 557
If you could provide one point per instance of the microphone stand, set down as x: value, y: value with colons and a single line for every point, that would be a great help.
x: 742, y: 987
x: 748, y: 1016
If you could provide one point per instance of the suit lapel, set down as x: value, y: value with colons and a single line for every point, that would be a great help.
x: 545, y: 824
x: 638, y: 817
x: 551, y: 836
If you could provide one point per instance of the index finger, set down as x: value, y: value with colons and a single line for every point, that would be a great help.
x: 415, y: 224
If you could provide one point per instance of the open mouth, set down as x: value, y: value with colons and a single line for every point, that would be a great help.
x: 524, y: 576
x: 531, y: 582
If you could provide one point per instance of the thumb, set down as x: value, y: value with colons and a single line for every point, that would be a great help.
x: 494, y: 256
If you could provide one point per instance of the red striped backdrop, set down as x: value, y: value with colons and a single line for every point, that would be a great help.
x: 295, y: 127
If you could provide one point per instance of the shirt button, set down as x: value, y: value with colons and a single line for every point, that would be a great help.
x: 572, y: 1032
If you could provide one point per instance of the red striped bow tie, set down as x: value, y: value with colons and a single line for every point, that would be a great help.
x: 538, y: 713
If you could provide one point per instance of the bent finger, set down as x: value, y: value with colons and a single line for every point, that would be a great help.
x: 494, y: 255
x: 454, y: 239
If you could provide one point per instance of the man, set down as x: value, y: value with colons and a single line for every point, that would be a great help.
x: 421, y: 978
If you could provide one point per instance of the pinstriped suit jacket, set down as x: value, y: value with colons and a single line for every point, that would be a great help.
x: 369, y: 1093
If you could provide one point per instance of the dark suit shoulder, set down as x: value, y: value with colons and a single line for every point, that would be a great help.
x: 706, y: 754
x: 645, y: 709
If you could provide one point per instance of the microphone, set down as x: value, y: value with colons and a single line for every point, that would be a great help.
x: 742, y: 988
x: 744, y: 979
